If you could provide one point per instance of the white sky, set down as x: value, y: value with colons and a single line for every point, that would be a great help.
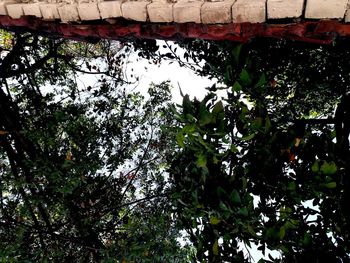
x: 189, y: 82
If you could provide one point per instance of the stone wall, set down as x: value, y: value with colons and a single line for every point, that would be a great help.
x: 316, y: 21
x: 178, y: 11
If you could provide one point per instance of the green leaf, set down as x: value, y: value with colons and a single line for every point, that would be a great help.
x: 285, y: 212
x: 251, y: 231
x: 328, y: 168
x: 214, y: 220
x: 187, y: 105
x: 215, y: 160
x: 243, y: 211
x: 267, y: 124
x: 235, y: 198
x: 245, y: 78
x: 248, y: 137
x: 244, y: 183
x: 282, y: 233
x: 236, y: 53
x: 331, y: 185
x: 218, y: 108
x: 291, y: 224
x: 262, y: 81
x: 202, y: 160
x: 234, y: 149
x: 204, y: 115
x: 218, y: 115
x: 315, y: 167
x: 228, y: 74
x: 223, y: 207
x: 180, y: 139
x: 291, y: 186
x: 236, y: 87
x: 307, y: 239
x: 216, y: 248
x: 189, y: 128
x: 221, y: 191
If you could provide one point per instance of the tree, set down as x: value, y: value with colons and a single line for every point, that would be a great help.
x: 268, y: 164
x: 82, y: 165
x: 98, y: 173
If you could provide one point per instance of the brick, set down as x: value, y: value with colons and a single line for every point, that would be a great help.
x: 166, y: 31
x: 50, y: 11
x: 135, y: 10
x: 160, y: 12
x: 69, y: 13
x: 279, y: 9
x: 249, y: 11
x: 321, y: 9
x: 129, y: 30
x: 15, y: 10
x: 196, y: 30
x: 218, y: 31
x: 217, y: 12
x: 110, y: 9
x: 88, y: 11
x: 186, y: 12
x: 32, y: 10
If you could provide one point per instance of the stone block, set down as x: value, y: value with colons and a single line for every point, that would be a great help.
x: 160, y: 12
x: 323, y: 9
x: 135, y: 10
x: 249, y: 11
x: 15, y: 10
x: 347, y: 14
x: 280, y: 9
x: 69, y: 13
x: 217, y: 12
x: 89, y: 11
x: 3, y: 9
x: 187, y: 11
x: 50, y: 11
x: 110, y: 9
x: 32, y: 10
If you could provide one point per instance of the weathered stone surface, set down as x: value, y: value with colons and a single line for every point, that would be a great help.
x: 279, y: 9
x: 32, y: 10
x: 3, y: 9
x: 182, y: 12
x: 135, y: 10
x: 69, y: 13
x: 321, y: 9
x: 15, y: 10
x: 160, y: 12
x: 347, y: 14
x: 49, y: 11
x: 249, y: 11
x: 217, y: 12
x: 186, y: 12
x: 88, y: 11
x: 110, y: 9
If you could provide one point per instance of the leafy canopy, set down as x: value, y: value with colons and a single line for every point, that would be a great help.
x: 83, y: 157
x: 267, y: 164
x: 97, y: 173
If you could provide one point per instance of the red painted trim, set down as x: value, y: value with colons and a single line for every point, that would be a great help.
x: 320, y: 32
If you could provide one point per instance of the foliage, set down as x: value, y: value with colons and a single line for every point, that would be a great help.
x: 82, y: 167
x: 95, y: 172
x: 260, y: 166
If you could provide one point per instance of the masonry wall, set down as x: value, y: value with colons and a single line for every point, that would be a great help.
x: 181, y: 11
x: 310, y: 20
